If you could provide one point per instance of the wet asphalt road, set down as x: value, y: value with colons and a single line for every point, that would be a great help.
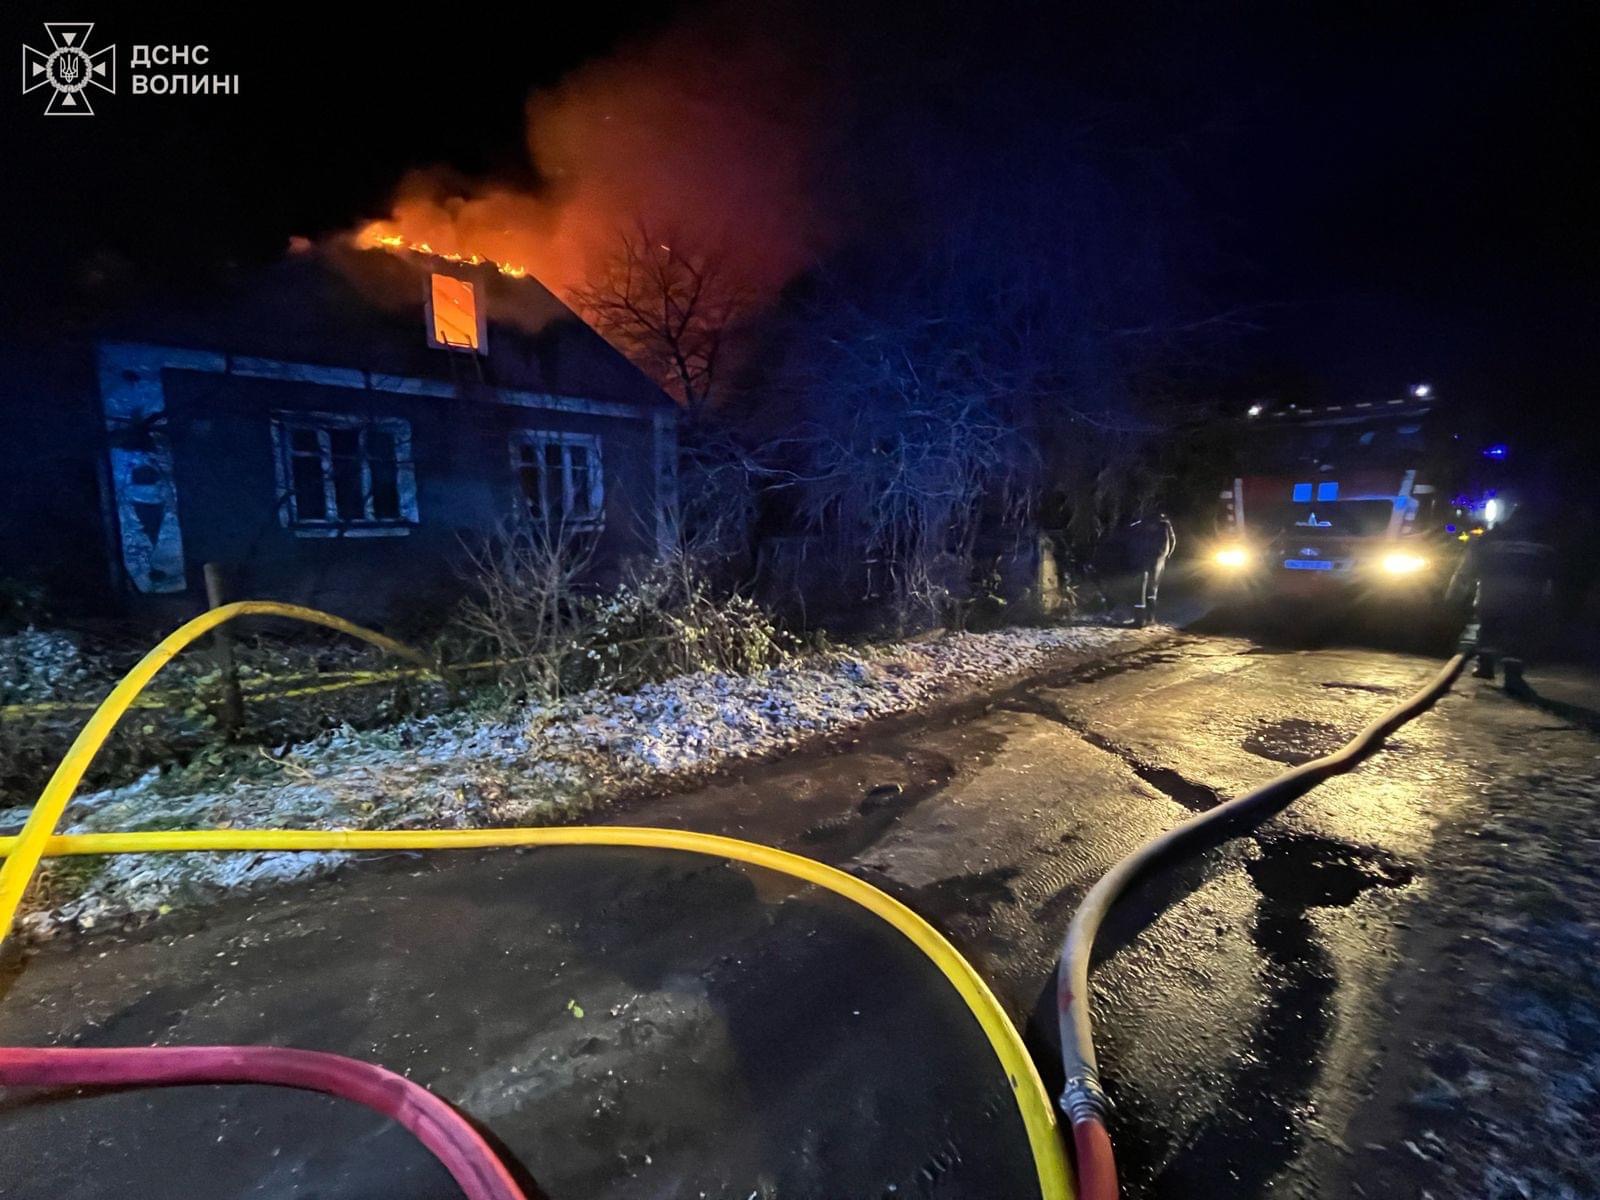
x: 638, y: 1025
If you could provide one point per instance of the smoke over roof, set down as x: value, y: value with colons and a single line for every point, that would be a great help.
x: 705, y: 132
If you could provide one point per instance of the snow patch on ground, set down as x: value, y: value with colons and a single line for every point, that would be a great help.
x: 38, y: 664
x: 457, y: 770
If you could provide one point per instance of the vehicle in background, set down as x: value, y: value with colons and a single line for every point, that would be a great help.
x: 1359, y: 501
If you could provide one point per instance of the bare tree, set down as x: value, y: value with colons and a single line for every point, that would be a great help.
x: 911, y: 447
x: 669, y: 305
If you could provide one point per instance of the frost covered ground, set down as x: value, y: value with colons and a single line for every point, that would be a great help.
x: 545, y: 764
x: 38, y: 664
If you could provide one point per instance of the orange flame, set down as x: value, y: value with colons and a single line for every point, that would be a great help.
x: 382, y: 235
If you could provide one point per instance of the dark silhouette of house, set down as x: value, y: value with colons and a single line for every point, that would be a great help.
x: 337, y: 430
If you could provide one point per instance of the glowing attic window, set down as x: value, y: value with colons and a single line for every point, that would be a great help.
x: 455, y: 322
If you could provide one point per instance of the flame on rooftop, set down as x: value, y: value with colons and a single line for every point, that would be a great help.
x: 382, y: 235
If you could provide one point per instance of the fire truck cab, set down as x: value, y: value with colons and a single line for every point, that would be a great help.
x: 1339, y: 502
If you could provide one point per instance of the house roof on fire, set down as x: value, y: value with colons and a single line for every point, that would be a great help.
x: 342, y: 307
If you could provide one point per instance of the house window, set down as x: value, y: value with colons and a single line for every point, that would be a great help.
x: 342, y: 475
x: 560, y: 477
x: 455, y: 322
x: 1301, y: 493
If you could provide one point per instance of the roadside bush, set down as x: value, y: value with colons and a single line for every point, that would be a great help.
x: 550, y: 637
x: 669, y: 622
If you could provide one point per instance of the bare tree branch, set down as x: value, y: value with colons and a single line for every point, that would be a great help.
x: 668, y: 305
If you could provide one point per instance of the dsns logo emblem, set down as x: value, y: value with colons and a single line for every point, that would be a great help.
x: 69, y: 68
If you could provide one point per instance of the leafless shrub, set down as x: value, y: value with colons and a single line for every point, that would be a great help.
x: 551, y: 637
x: 525, y: 609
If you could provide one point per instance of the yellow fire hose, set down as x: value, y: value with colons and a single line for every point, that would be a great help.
x: 38, y: 840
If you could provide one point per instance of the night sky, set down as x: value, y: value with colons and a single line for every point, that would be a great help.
x: 1399, y: 192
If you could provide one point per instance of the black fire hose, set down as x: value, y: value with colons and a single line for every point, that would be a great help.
x: 1084, y: 1101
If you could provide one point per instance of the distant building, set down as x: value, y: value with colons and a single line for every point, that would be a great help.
x: 335, y: 431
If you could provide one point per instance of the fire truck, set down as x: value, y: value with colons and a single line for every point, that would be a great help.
x: 1356, y: 501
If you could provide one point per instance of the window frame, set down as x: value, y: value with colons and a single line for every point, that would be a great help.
x: 540, y: 440
x: 322, y: 424
x: 480, y: 318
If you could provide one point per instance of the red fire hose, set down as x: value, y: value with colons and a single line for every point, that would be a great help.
x: 445, y: 1132
x: 1084, y: 1100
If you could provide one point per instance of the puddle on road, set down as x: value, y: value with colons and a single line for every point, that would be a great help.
x: 855, y: 830
x: 1302, y: 870
x: 1294, y: 740
x: 1196, y: 797
x: 973, y: 895
x: 1262, y: 1119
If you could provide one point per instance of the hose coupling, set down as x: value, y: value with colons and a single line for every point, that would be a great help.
x: 1083, y: 1099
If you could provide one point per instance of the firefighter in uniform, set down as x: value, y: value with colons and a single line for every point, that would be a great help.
x: 1511, y: 571
x: 1151, y: 542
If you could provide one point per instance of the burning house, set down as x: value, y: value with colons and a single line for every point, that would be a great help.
x: 337, y: 430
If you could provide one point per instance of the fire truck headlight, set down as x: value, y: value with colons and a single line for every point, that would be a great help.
x: 1403, y: 564
x: 1232, y: 557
